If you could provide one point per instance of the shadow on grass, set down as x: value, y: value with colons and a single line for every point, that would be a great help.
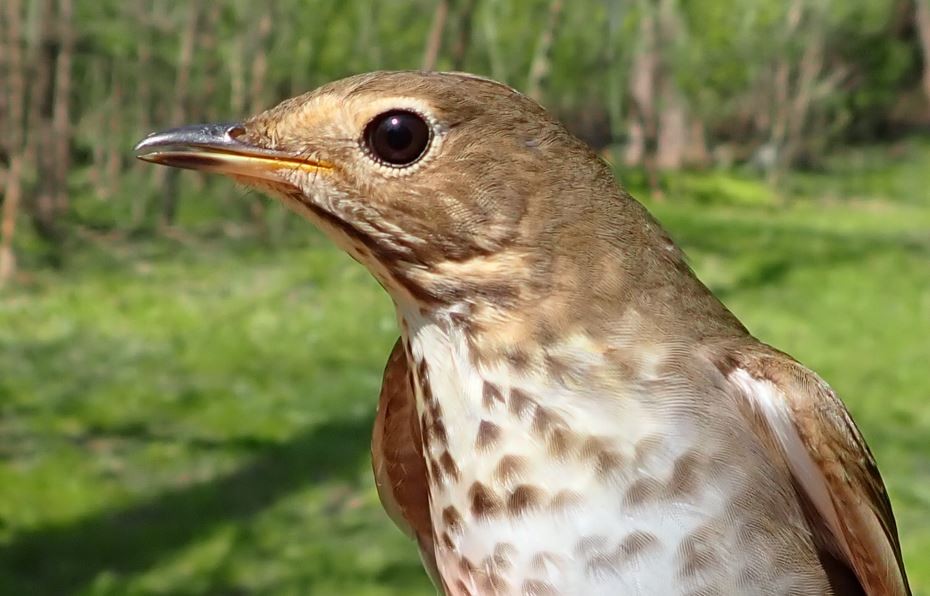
x: 781, y: 249
x: 63, y: 559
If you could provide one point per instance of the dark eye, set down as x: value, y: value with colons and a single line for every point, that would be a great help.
x: 397, y: 138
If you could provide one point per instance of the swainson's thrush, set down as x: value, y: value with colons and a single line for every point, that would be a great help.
x: 568, y: 410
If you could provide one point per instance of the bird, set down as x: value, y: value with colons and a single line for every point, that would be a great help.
x: 568, y: 409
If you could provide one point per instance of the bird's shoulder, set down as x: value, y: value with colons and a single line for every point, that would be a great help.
x: 832, y: 466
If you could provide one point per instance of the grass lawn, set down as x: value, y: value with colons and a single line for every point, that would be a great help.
x: 193, y: 417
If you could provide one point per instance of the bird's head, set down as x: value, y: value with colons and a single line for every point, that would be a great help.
x: 444, y: 185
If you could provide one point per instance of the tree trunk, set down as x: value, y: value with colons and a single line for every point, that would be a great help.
x: 465, y: 12
x: 616, y: 73
x: 5, y: 42
x: 643, y: 127
x: 922, y: 22
x: 61, y: 118
x: 16, y: 91
x: 257, y: 101
x: 98, y: 90
x: 492, y: 44
x: 40, y: 140
x: 781, y: 105
x: 181, y: 107
x: 115, y: 149
x: 143, y: 101
x: 672, y: 137
x: 542, y: 63
x: 204, y: 109
x: 436, y: 30
x: 259, y: 69
x: 236, y: 63
x: 809, y: 71
x: 696, y: 153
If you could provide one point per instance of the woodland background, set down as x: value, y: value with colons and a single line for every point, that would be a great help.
x: 188, y: 374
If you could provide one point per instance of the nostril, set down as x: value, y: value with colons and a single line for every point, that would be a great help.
x: 235, y: 131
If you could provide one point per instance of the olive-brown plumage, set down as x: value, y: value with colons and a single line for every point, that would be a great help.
x: 568, y: 410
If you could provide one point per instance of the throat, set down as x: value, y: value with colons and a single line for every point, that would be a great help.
x: 503, y: 437
x: 447, y: 385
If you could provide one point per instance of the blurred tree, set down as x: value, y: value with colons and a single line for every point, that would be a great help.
x: 922, y: 19
x: 542, y: 60
x: 181, y: 104
x: 40, y: 132
x: 15, y: 91
x: 644, y: 127
x: 670, y: 84
x: 434, y: 41
x: 461, y: 41
x: 671, y: 121
x: 61, y: 117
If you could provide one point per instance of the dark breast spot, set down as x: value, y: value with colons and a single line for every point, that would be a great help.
x: 643, y: 491
x: 560, y: 369
x: 612, y: 561
x: 466, y: 566
x: 484, y: 503
x: 607, y: 462
x: 437, y: 432
x: 452, y: 519
x: 502, y: 557
x: 449, y: 468
x: 422, y: 371
x: 518, y: 359
x: 588, y: 545
x: 491, y: 582
x: 685, y: 475
x: 510, y: 468
x: 565, y: 499
x: 646, y: 449
x: 698, y: 553
x: 491, y: 395
x: 524, y: 498
x: 637, y: 543
x: 545, y: 420
x: 560, y: 443
x: 435, y: 472
x: 544, y: 561
x: 520, y: 402
x: 488, y: 435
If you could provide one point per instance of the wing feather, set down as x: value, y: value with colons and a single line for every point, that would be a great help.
x: 831, y: 464
x: 397, y: 458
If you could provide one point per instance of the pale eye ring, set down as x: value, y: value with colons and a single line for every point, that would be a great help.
x: 397, y: 138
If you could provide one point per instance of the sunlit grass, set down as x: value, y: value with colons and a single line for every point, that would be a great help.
x: 193, y: 418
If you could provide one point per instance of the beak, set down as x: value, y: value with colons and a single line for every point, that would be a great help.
x: 216, y: 148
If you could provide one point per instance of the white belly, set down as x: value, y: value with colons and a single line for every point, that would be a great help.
x: 540, y: 486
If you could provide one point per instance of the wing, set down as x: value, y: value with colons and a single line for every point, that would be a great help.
x: 397, y: 459
x: 834, y: 470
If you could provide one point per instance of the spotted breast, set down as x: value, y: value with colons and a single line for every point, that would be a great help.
x: 546, y: 484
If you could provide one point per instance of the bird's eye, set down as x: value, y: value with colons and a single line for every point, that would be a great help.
x: 397, y: 138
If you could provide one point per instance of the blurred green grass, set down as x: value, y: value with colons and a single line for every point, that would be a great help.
x: 193, y: 417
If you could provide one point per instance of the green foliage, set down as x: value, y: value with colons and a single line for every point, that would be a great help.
x: 722, y: 188
x: 866, y: 173
x: 192, y: 416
